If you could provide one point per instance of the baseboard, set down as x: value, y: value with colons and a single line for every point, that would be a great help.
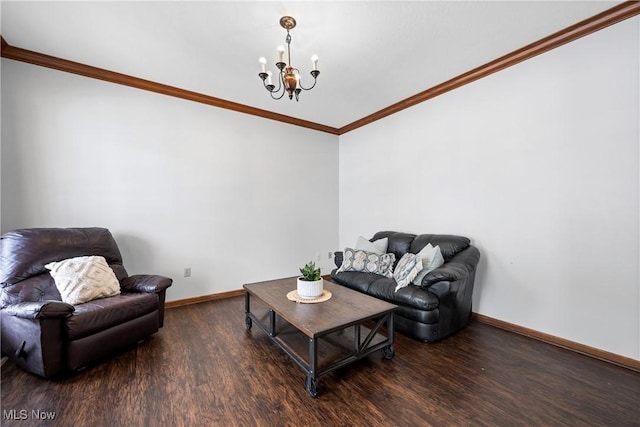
x: 204, y: 298
x: 606, y: 356
x: 213, y: 297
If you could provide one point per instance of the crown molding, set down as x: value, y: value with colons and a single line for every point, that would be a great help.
x: 36, y: 58
x: 602, y: 20
x: 609, y: 17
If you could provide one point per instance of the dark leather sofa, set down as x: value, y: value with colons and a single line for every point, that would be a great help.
x: 437, y: 308
x: 46, y: 336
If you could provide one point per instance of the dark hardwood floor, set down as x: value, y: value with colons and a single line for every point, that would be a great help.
x: 204, y: 369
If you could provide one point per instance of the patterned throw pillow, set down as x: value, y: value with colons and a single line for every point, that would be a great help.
x: 431, y: 259
x: 367, y: 262
x: 407, y: 269
x: 83, y: 279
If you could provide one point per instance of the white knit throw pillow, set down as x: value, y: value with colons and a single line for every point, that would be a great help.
x: 83, y: 279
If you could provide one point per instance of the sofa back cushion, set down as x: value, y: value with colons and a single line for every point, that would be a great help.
x: 401, y: 243
x: 450, y: 245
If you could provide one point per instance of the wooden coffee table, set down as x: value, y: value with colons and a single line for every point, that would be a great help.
x: 320, y: 337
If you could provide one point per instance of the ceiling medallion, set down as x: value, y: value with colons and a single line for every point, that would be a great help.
x: 289, y: 79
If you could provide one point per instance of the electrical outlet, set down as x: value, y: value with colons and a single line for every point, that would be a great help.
x: 187, y: 272
x: 329, y: 255
x: 317, y: 256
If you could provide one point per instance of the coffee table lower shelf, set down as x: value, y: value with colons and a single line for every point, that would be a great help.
x: 327, y: 351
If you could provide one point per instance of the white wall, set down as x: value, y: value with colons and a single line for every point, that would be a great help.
x: 537, y: 164
x: 237, y: 198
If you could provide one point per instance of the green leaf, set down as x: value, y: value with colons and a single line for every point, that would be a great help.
x: 310, y: 273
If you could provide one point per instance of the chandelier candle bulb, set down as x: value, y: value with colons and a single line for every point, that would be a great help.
x: 314, y: 59
x: 263, y: 63
x: 268, y: 77
x: 280, y: 53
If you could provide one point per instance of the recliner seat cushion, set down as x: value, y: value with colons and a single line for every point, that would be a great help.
x: 100, y: 314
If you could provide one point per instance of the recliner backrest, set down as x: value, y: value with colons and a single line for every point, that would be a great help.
x: 25, y: 252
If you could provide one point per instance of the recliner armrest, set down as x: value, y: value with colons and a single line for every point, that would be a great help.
x: 147, y: 283
x: 458, y: 268
x: 40, y: 310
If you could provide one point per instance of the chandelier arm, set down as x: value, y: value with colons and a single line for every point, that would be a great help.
x: 279, y: 78
x: 266, y: 86
x: 280, y: 87
x: 308, y: 88
x: 277, y: 97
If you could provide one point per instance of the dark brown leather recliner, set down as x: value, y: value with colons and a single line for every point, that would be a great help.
x: 46, y: 336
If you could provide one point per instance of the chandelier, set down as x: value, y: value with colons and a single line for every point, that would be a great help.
x: 289, y: 79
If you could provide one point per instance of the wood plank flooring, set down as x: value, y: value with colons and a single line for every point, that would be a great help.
x: 204, y: 369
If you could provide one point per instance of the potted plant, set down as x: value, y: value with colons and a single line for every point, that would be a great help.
x: 310, y: 284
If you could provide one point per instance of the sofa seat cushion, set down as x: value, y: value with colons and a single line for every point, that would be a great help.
x: 385, y: 288
x: 355, y: 279
x: 97, y: 315
x: 410, y: 296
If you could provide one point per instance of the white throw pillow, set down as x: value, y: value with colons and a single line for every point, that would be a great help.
x: 83, y: 279
x: 377, y: 247
x: 407, y: 269
x: 431, y: 259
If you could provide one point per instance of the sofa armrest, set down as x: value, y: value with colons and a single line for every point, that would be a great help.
x: 459, y: 267
x: 147, y: 283
x: 40, y: 310
x: 338, y: 257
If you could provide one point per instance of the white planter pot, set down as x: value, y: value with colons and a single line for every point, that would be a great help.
x: 310, y: 289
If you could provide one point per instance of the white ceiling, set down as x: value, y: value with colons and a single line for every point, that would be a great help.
x: 372, y: 53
